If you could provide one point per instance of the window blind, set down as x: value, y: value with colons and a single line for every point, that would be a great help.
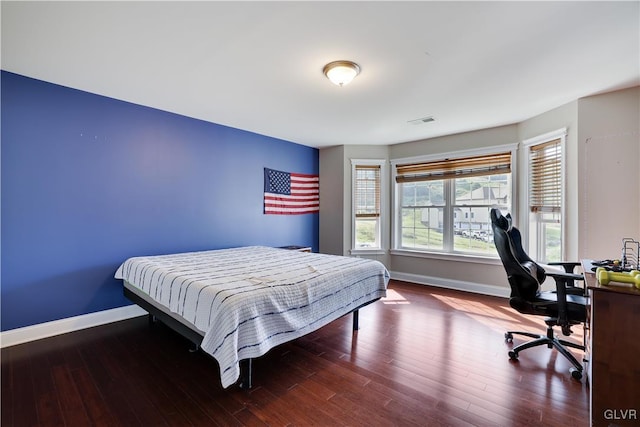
x: 492, y: 164
x: 545, y: 177
x: 367, y: 191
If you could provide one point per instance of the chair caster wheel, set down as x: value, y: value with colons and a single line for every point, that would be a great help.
x: 513, y: 355
x: 508, y: 337
x: 576, y: 373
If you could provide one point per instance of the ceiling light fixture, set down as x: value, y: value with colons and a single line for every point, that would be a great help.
x: 341, y: 72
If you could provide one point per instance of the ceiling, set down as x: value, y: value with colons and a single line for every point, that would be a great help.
x: 257, y: 66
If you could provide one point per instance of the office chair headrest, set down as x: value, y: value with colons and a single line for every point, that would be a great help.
x: 503, y: 222
x: 509, y: 221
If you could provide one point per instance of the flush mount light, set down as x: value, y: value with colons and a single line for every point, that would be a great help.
x: 341, y: 72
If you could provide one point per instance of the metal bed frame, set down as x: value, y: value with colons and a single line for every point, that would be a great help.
x: 196, y: 337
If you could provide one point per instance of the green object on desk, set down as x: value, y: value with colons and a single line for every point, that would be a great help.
x: 604, y: 277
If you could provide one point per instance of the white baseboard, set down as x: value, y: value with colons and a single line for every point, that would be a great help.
x: 62, y: 326
x: 478, y: 288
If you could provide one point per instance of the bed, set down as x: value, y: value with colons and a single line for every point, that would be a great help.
x: 238, y: 303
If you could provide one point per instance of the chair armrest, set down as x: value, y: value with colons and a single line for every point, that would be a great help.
x: 569, y: 276
x: 564, y: 280
x: 569, y: 280
x: 565, y: 276
x: 568, y: 266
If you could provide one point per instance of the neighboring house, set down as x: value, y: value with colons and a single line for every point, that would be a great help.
x: 474, y: 219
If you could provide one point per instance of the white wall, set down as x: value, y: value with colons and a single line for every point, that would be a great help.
x: 609, y: 172
x: 462, y: 141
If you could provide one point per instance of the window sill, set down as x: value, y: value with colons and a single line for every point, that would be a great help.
x: 373, y: 251
x: 478, y: 259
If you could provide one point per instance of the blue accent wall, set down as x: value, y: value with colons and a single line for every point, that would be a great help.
x: 88, y: 181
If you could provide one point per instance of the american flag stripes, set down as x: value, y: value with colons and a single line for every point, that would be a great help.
x: 290, y: 193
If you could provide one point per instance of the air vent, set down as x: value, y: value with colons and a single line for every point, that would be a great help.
x: 422, y: 120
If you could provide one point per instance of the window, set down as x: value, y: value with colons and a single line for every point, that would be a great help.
x: 545, y: 180
x: 444, y: 205
x: 367, y: 176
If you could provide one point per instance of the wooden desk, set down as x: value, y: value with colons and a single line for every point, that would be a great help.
x: 612, y: 355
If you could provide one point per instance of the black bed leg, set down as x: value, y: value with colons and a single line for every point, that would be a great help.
x: 245, y: 374
x: 356, y: 323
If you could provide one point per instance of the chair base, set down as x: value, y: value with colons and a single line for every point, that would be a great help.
x: 551, y: 341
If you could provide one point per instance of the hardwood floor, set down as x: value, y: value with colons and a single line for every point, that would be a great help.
x: 423, y: 356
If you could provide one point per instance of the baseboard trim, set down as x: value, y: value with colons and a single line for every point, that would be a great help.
x: 76, y: 323
x: 70, y: 324
x: 459, y: 285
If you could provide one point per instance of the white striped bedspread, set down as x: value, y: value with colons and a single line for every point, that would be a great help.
x: 248, y: 300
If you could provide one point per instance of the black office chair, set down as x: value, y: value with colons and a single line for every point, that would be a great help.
x: 564, y: 307
x: 567, y: 266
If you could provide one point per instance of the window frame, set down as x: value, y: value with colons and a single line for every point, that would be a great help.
x: 380, y: 227
x: 531, y: 243
x: 447, y: 253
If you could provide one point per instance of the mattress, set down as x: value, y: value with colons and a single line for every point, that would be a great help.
x: 248, y: 300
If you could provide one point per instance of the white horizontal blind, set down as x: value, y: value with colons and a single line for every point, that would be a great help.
x: 545, y: 180
x: 367, y: 191
x: 492, y: 164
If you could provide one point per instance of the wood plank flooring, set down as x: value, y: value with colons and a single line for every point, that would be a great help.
x: 424, y: 356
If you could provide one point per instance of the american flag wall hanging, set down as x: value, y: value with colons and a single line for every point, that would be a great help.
x: 288, y: 193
